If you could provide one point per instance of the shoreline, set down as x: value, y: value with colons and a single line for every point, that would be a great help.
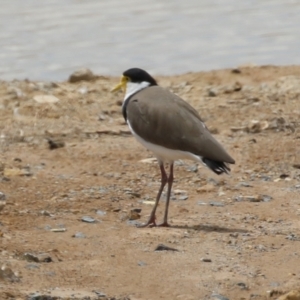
x: 71, y: 174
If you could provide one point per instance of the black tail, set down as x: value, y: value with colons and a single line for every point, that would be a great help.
x: 218, y: 167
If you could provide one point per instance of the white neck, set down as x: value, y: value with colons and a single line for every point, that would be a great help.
x: 133, y: 87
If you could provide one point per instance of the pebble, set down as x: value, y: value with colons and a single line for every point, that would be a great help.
x: 244, y: 184
x: 100, y: 212
x: 206, y: 188
x: 296, y: 166
x: 162, y: 247
x: 242, y: 285
x: 134, y: 214
x: 7, y: 274
x: 2, y: 196
x: 55, y: 144
x: 179, y: 192
x: 82, y: 75
x: 99, y: 294
x: 141, y: 264
x: 133, y: 222
x: 32, y: 266
x: 148, y: 202
x: 201, y: 203
x: 12, y: 172
x: 83, y: 90
x: 236, y: 71
x: 193, y: 168
x: 212, y: 92
x: 45, y: 99
x: 292, y: 237
x: 58, y: 229
x: 39, y: 258
x: 215, y: 203
x: 219, y: 297
x: 37, y: 296
x: 46, y: 213
x: 148, y: 160
x: 88, y: 219
x: 256, y: 198
x: 256, y: 126
x: 206, y: 259
x: 2, y: 200
x: 79, y: 235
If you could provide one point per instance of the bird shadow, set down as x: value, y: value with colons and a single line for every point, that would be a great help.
x: 210, y: 228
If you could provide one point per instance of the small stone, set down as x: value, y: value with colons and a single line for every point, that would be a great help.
x: 83, y: 90
x: 2, y: 200
x: 133, y: 223
x: 8, y: 275
x: 241, y: 128
x: 149, y: 160
x: 219, y: 297
x: 244, y: 184
x: 236, y: 71
x: 215, y: 203
x: 142, y: 264
x: 256, y: 198
x: 292, y: 237
x: 284, y: 176
x: 162, y: 247
x: 82, y: 75
x: 296, y: 166
x: 201, y: 203
x: 2, y: 196
x: 234, y: 234
x: 206, y: 188
x: 134, y: 194
x: 193, y: 168
x: 12, y: 172
x: 45, y: 99
x: 58, y: 229
x: 37, y: 296
x: 55, y: 144
x: 134, y: 214
x: 183, y: 198
x: 88, y: 219
x: 206, y: 259
x: 46, y: 213
x: 100, y: 212
x: 99, y: 294
x: 79, y: 235
x: 257, y: 126
x: 212, y: 92
x: 179, y: 192
x: 242, y: 285
x: 32, y: 266
x: 148, y: 202
x: 42, y: 257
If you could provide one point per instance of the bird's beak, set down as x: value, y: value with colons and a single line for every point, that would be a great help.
x: 121, y: 85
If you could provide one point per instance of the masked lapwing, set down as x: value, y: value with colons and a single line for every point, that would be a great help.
x: 170, y: 128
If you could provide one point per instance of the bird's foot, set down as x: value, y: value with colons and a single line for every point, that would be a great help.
x: 150, y: 223
x: 164, y: 224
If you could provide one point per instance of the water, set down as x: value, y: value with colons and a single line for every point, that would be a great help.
x: 49, y: 39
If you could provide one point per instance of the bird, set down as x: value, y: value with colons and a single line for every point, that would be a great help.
x: 169, y: 127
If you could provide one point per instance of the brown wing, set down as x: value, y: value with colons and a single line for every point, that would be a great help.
x: 162, y: 118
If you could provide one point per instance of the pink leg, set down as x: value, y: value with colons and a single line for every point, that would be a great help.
x: 164, y: 179
x: 170, y: 182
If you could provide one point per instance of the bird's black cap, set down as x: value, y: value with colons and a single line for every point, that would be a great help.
x: 139, y: 75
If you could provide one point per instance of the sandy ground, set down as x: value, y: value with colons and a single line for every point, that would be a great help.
x: 237, y: 236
